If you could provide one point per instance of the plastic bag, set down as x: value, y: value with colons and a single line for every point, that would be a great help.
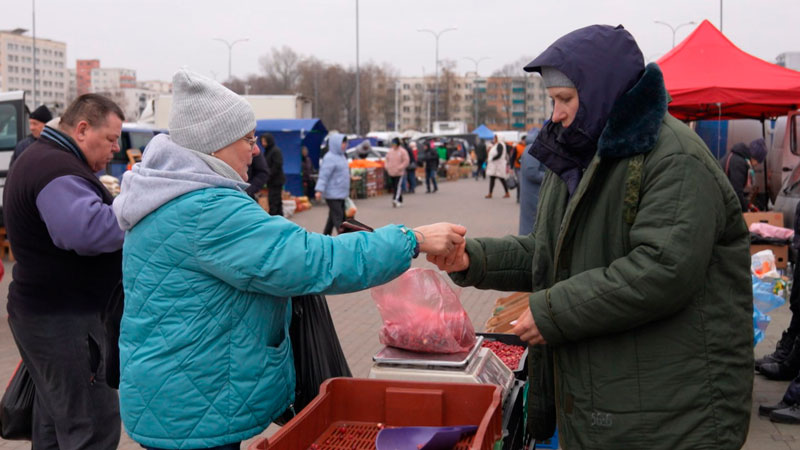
x: 16, y: 407
x: 317, y: 352
x: 349, y: 208
x: 762, y: 264
x: 768, y: 294
x: 422, y: 313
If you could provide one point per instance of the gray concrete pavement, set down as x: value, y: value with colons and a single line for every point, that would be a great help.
x: 357, y: 320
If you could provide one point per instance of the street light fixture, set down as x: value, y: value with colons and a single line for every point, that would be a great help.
x: 230, y: 47
x: 475, y: 85
x: 436, y: 35
x: 674, y: 29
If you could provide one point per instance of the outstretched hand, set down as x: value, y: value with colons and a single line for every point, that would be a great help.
x: 525, y: 327
x: 439, y: 238
x: 455, y: 261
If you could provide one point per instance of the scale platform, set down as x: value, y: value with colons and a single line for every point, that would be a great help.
x: 477, y: 365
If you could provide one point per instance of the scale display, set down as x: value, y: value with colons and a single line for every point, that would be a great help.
x: 479, y: 365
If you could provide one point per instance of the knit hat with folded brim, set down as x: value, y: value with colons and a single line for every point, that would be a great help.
x: 206, y: 116
x: 553, y: 77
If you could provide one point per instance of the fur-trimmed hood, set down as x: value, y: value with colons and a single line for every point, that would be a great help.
x: 635, y: 120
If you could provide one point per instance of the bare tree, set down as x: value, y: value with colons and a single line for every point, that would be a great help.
x: 282, y: 67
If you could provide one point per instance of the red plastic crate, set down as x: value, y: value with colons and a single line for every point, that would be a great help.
x: 348, y: 413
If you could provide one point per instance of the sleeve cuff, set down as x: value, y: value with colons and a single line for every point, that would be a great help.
x: 540, y: 309
x: 477, y: 266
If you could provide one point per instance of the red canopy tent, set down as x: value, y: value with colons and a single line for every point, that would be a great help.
x: 709, y: 77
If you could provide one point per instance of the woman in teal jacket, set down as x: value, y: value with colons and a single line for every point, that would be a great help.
x: 205, y: 355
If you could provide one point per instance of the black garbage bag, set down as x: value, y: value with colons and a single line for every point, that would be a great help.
x: 16, y: 406
x: 541, y: 393
x: 317, y: 352
x: 112, y: 317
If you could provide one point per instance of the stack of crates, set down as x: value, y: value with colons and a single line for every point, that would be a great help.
x: 374, y: 181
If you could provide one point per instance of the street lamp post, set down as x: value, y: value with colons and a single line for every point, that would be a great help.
x: 33, y: 18
x: 358, y: 81
x: 436, y: 35
x: 230, y: 47
x: 674, y: 29
x: 475, y: 85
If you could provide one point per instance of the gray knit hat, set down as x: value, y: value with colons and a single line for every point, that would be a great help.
x: 206, y: 116
x: 553, y: 77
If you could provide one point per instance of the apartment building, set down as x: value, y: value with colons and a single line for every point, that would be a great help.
x: 502, y: 103
x: 38, y: 68
x: 790, y: 60
x: 83, y: 74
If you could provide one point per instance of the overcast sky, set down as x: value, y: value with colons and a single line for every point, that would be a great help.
x: 156, y: 37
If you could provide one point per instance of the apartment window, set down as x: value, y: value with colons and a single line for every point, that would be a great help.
x: 417, y: 109
x: 417, y: 86
x: 468, y: 97
x: 406, y: 98
x: 406, y: 86
x: 406, y: 109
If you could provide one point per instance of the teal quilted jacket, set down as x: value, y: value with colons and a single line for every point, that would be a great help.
x: 204, y: 350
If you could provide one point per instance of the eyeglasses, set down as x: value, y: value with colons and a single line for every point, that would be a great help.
x: 250, y: 140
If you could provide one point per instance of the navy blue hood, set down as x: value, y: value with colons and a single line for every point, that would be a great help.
x: 603, y: 62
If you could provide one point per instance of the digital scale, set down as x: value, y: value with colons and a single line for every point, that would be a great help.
x: 477, y: 365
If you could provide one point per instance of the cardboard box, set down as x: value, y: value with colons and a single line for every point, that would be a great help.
x: 772, y: 218
x: 781, y: 253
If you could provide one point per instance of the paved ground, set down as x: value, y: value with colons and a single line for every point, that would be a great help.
x: 357, y: 321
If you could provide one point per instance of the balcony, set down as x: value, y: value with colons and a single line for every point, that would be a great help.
x: 519, y: 89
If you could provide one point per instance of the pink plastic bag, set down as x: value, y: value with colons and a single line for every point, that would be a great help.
x: 771, y: 231
x: 422, y: 313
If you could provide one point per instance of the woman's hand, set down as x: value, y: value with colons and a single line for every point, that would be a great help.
x: 439, y: 238
x: 318, y: 195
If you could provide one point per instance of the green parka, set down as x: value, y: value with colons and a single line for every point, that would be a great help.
x: 641, y: 287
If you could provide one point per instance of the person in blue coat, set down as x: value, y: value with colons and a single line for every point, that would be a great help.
x: 333, y: 182
x: 530, y: 181
x: 205, y: 356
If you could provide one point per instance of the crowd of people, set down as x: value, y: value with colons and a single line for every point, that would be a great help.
x: 633, y: 249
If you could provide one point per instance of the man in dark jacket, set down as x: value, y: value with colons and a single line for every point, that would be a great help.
x: 37, y: 120
x: 257, y: 175
x: 737, y: 165
x: 480, y: 156
x: 641, y: 308
x: 68, y: 248
x: 431, y: 158
x: 276, y: 178
x: 784, y: 363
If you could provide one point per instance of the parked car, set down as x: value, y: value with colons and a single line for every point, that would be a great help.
x: 374, y: 153
x: 783, y: 160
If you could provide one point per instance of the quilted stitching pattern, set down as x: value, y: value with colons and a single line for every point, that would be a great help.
x: 204, y: 394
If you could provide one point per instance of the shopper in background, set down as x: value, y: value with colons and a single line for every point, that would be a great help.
x: 531, y: 175
x: 67, y: 245
x: 397, y: 160
x: 334, y: 181
x: 497, y: 166
x: 258, y: 174
x: 308, y: 172
x: 431, y: 158
x: 36, y: 121
x: 480, y: 156
x: 276, y: 179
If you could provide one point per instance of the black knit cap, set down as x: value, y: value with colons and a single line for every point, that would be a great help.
x: 42, y: 114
